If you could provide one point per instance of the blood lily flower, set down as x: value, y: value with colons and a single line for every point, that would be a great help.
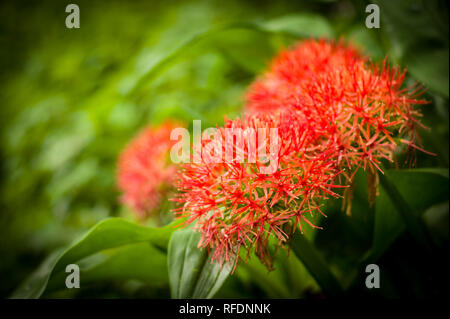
x: 348, y: 103
x: 145, y: 172
x: 233, y: 204
x: 335, y: 112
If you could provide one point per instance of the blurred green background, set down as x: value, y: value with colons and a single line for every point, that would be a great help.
x: 72, y: 98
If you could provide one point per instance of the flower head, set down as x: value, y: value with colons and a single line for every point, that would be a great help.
x: 235, y: 203
x: 145, y: 172
x: 349, y: 104
x: 334, y: 112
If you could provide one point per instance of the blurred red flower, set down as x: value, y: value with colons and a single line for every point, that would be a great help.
x: 145, y: 172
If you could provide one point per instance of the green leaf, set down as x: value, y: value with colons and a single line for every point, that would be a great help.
x: 425, y: 51
x: 408, y: 215
x: 253, y: 272
x: 427, y: 20
x: 298, y: 25
x: 364, y: 38
x: 431, y: 68
x: 315, y: 264
x: 301, y: 25
x: 420, y: 189
x: 107, y: 240
x: 34, y: 286
x: 140, y: 261
x: 246, y: 48
x: 191, y: 273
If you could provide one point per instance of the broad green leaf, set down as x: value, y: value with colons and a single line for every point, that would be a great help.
x: 301, y: 25
x: 409, y: 217
x: 425, y: 51
x: 113, y: 233
x: 399, y: 18
x: 315, y: 264
x: 345, y: 238
x: 366, y: 41
x: 103, y: 238
x: 298, y: 25
x: 140, y: 261
x: 431, y: 68
x: 251, y: 50
x: 296, y: 277
x: 34, y: 285
x: 420, y: 188
x: 252, y: 271
x: 191, y: 272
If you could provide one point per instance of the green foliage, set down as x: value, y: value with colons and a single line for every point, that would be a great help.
x: 424, y: 51
x: 191, y: 272
x: 394, y: 213
x: 315, y: 265
x: 113, y: 249
x: 71, y: 100
x: 300, y: 25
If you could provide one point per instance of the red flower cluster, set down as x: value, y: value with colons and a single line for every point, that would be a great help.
x: 233, y: 204
x: 352, y: 106
x: 334, y: 110
x: 145, y: 171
